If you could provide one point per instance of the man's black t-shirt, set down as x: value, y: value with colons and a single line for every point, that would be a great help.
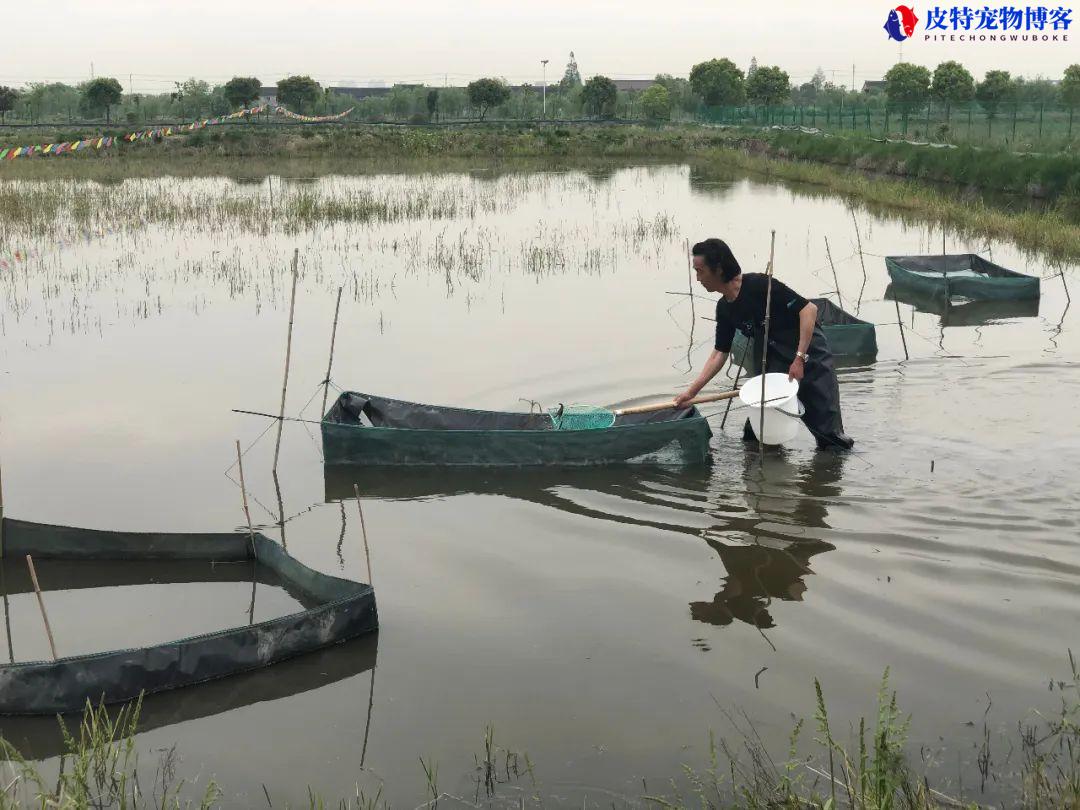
x: 747, y: 311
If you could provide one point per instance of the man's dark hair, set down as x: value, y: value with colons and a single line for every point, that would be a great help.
x: 718, y: 257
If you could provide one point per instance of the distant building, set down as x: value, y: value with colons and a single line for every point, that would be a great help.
x: 874, y: 87
x: 633, y: 85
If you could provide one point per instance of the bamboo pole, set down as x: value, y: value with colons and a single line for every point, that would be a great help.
x: 836, y: 280
x: 2, y: 513
x: 900, y: 323
x: 363, y: 531
x: 330, y: 362
x: 7, y: 614
x: 862, y: 260
x: 288, y: 354
x: 735, y: 385
x: 243, y: 495
x: 251, y: 531
x: 41, y: 604
x: 765, y: 350
x: 690, y: 292
x: 281, y: 508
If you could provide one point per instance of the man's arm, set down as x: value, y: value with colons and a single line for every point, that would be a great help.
x: 807, y: 322
x: 711, y: 369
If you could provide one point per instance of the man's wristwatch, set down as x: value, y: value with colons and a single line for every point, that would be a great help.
x: 802, y: 356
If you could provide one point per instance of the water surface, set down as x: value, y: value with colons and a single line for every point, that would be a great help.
x: 597, y: 619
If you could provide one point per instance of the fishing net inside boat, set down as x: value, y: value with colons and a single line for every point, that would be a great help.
x: 580, y: 417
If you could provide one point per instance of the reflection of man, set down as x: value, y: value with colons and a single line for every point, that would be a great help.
x: 797, y: 345
x: 755, y: 575
x: 758, y: 573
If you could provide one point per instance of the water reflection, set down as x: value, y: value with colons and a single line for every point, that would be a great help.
x: 39, y: 737
x: 567, y: 489
x: 775, y: 563
x: 968, y: 313
x: 761, y: 534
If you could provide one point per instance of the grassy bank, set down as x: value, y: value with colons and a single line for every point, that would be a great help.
x: 100, y: 768
x: 936, y: 185
x: 1049, y: 175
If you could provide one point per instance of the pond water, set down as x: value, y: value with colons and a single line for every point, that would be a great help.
x: 96, y: 607
x: 601, y: 620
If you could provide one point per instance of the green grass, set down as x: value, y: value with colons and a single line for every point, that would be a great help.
x: 872, y: 771
x: 961, y: 188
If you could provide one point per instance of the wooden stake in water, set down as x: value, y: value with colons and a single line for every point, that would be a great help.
x: 735, y: 385
x: 363, y: 531
x: 330, y: 362
x: 41, y: 604
x: 251, y: 531
x: 288, y: 353
x: 7, y: 615
x: 900, y: 323
x: 1, y: 517
x: 690, y: 288
x: 862, y: 261
x: 243, y: 495
x: 765, y: 350
x: 835, y: 279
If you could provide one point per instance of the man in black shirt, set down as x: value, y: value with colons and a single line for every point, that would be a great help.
x: 796, y: 343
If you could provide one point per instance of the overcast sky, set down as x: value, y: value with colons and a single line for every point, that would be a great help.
x: 433, y: 42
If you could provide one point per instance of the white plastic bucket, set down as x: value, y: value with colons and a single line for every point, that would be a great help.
x: 782, y: 407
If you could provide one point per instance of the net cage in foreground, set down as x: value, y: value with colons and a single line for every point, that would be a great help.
x: 335, y: 610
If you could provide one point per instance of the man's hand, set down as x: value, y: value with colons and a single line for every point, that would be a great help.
x: 796, y: 370
x: 683, y: 398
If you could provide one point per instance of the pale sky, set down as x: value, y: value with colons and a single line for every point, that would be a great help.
x: 432, y: 42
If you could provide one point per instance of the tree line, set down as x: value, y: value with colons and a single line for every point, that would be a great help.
x: 714, y: 83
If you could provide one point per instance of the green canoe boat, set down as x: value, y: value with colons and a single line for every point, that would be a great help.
x: 848, y: 336
x: 963, y: 275
x: 371, y: 430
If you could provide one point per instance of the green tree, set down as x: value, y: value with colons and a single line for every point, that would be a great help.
x: 193, y: 97
x: 598, y: 95
x: 768, y: 85
x: 1070, y: 86
x: 527, y: 93
x: 997, y: 87
x: 1039, y: 90
x: 400, y: 102
x: 487, y: 93
x: 298, y: 92
x: 718, y: 81
x: 952, y: 83
x: 8, y: 97
x: 432, y: 101
x: 102, y: 94
x: 571, y: 76
x: 241, y: 91
x: 656, y: 102
x: 906, y: 83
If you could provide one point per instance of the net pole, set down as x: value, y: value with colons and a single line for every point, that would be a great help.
x: 363, y: 532
x: 765, y: 351
x: 41, y: 604
x: 330, y: 362
x: 288, y: 353
x: 251, y: 531
x: 836, y: 280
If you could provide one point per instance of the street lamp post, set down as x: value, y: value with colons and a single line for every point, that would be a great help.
x: 543, y: 90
